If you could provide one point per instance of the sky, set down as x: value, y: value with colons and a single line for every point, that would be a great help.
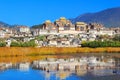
x: 32, y: 12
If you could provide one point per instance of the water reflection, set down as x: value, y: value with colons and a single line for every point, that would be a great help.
x: 67, y: 68
x: 74, y: 64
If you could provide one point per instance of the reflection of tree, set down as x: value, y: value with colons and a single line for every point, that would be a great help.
x: 47, y: 76
x: 81, y: 72
x: 63, y: 74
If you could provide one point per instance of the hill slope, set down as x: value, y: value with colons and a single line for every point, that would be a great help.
x: 2, y: 24
x: 109, y: 17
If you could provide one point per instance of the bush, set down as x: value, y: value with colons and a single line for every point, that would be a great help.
x: 23, y: 44
x: 28, y: 44
x: 41, y: 38
x: 15, y: 44
x: 95, y: 44
x: 116, y: 38
x: 2, y: 44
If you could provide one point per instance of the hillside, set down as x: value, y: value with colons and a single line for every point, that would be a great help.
x: 109, y: 17
x: 3, y: 24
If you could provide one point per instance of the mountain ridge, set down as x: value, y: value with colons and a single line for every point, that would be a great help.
x: 3, y: 24
x: 109, y: 17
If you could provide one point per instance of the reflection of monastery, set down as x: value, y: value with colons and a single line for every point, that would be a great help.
x: 63, y: 68
x: 73, y: 64
x: 79, y: 66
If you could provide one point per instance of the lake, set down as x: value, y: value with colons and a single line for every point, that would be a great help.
x: 32, y: 74
x: 62, y: 68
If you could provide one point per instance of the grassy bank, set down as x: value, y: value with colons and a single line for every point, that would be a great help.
x: 30, y: 51
x: 18, y: 54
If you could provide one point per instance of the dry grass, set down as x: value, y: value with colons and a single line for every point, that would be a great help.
x: 19, y: 51
x: 17, y: 54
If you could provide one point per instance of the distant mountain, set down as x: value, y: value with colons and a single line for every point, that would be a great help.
x: 109, y: 17
x: 3, y: 24
x: 39, y: 26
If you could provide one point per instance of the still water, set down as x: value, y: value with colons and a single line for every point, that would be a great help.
x: 31, y: 74
x: 82, y: 68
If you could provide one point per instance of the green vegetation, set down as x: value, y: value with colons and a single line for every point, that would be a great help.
x: 2, y: 44
x: 116, y: 38
x: 15, y: 44
x: 95, y: 44
x: 23, y: 44
x: 41, y: 38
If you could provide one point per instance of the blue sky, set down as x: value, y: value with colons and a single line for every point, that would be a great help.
x: 31, y: 12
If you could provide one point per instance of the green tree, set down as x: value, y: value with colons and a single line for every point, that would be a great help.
x: 23, y: 44
x: 116, y: 38
x: 41, y: 38
x: 15, y: 44
x: 2, y: 44
x: 95, y: 44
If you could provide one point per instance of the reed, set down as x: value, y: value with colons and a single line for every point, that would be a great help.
x: 32, y: 51
x: 18, y: 54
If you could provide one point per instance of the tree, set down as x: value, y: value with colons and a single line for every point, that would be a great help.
x: 41, y: 38
x: 95, y: 44
x: 23, y: 44
x: 15, y: 44
x: 2, y: 44
x: 116, y: 38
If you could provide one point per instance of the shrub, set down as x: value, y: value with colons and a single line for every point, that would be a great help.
x: 15, y: 44
x: 2, y: 44
x: 95, y: 44
x: 116, y: 38
x: 23, y: 44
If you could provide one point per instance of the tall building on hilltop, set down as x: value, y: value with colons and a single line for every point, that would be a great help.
x: 48, y: 25
x: 48, y: 28
x: 64, y: 24
x: 96, y: 26
x: 80, y: 26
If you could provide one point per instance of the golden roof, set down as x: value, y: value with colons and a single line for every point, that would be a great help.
x: 80, y: 23
x: 62, y: 18
x: 47, y: 21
